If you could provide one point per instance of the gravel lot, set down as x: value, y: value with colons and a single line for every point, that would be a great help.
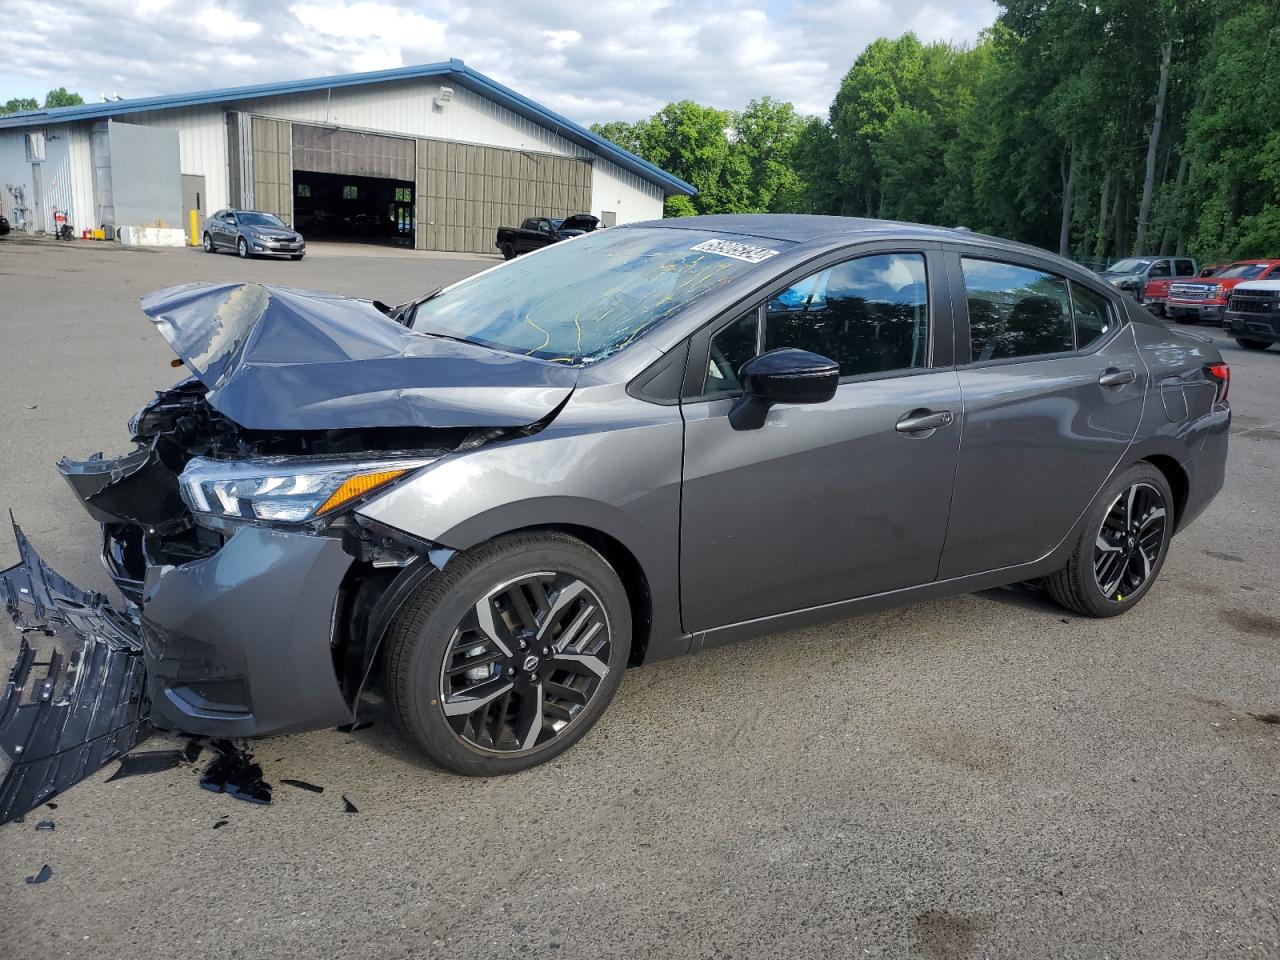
x: 985, y: 776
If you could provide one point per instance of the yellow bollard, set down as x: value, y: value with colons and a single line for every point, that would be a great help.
x: 195, y: 228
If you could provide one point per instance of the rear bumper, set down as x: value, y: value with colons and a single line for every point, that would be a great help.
x: 1253, y: 326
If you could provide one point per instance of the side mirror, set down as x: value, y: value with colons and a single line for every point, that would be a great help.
x: 786, y: 375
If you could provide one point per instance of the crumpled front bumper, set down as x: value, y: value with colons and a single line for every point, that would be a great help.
x: 235, y: 644
x: 66, y: 716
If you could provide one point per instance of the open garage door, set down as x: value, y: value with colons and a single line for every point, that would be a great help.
x: 349, y: 185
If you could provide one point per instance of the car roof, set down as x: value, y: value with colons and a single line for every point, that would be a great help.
x: 802, y: 228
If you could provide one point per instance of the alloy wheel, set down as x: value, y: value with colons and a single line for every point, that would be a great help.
x: 1129, y: 543
x: 524, y: 662
x: 242, y: 248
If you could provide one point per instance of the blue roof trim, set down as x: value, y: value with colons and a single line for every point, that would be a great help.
x: 453, y: 69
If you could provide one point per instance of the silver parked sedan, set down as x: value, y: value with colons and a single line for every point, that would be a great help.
x: 631, y: 445
x: 252, y: 233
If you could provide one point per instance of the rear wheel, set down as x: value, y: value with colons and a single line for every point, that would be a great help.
x: 1253, y: 344
x: 207, y: 243
x: 509, y: 655
x: 1122, y: 547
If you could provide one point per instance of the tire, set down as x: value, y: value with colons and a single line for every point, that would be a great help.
x: 242, y: 249
x: 295, y: 257
x: 207, y: 243
x: 1076, y: 586
x: 431, y: 632
x: 1253, y: 344
x: 508, y: 252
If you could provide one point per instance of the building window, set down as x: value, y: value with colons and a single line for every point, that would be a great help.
x: 304, y: 189
x: 350, y: 192
x: 404, y: 194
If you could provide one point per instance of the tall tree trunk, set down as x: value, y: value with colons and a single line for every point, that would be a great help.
x: 1068, y: 197
x: 1100, y: 244
x: 1153, y: 146
x: 1172, y: 242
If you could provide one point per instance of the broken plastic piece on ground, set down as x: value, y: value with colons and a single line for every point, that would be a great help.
x: 350, y: 805
x: 45, y: 873
x: 353, y: 727
x: 151, y: 761
x: 45, y: 825
x: 303, y: 785
x: 191, y: 752
x: 234, y: 773
x: 88, y: 707
x: 221, y: 823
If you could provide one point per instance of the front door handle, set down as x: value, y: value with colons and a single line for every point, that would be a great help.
x: 918, y: 421
x: 1116, y: 378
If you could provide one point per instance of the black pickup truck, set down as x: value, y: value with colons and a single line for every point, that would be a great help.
x: 537, y: 232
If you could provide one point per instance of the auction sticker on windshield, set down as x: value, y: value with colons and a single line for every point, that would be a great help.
x: 739, y: 251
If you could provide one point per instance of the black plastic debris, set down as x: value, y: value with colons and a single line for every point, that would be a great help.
x: 45, y: 825
x: 45, y: 873
x: 350, y: 805
x: 52, y: 806
x: 303, y: 785
x: 87, y: 704
x: 353, y: 727
x: 152, y: 761
x: 221, y: 823
x: 191, y: 752
x: 234, y: 773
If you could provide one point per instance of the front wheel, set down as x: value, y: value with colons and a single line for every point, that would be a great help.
x: 295, y: 257
x: 507, y: 657
x: 1122, y: 547
x: 508, y: 251
x: 242, y: 249
x: 1253, y: 344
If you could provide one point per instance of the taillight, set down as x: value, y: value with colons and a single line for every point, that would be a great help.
x: 1220, y: 374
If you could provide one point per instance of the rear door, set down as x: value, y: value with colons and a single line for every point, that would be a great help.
x: 831, y: 501
x: 1053, y: 393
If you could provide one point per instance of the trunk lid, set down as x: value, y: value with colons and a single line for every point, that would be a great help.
x: 274, y: 358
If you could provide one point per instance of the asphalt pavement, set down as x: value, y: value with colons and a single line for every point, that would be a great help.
x: 986, y: 776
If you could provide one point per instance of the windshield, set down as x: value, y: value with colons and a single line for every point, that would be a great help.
x: 1246, y: 271
x: 254, y: 219
x: 583, y: 299
x: 1131, y: 265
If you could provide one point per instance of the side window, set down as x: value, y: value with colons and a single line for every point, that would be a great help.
x: 1093, y: 315
x: 1159, y: 270
x: 733, y: 346
x: 1015, y: 311
x: 870, y: 315
x: 1185, y: 268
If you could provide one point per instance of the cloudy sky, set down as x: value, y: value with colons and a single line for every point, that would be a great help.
x: 591, y: 61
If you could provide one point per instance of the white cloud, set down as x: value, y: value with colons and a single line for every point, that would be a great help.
x: 589, y: 61
x: 221, y: 24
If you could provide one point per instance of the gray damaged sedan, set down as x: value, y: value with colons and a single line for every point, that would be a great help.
x: 628, y: 446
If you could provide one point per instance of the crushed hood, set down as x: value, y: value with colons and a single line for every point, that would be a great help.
x: 273, y: 358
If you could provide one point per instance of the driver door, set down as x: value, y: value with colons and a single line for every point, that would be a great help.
x: 831, y: 501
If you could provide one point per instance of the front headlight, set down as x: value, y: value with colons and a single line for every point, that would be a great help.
x: 284, y: 489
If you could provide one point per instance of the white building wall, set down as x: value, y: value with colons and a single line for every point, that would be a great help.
x: 630, y: 197
x: 202, y: 146
x: 404, y: 107
x: 66, y: 173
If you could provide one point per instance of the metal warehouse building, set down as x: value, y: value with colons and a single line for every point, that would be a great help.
x: 435, y: 156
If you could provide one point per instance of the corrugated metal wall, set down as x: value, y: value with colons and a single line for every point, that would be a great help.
x: 273, y: 167
x: 465, y: 192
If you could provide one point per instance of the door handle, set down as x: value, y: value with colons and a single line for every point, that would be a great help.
x: 1116, y: 378
x: 918, y: 421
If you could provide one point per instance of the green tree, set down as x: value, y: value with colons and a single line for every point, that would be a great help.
x: 692, y: 141
x: 18, y: 104
x: 626, y: 135
x: 765, y: 137
x: 62, y: 98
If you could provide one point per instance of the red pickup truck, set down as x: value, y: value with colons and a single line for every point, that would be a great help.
x: 1205, y: 301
